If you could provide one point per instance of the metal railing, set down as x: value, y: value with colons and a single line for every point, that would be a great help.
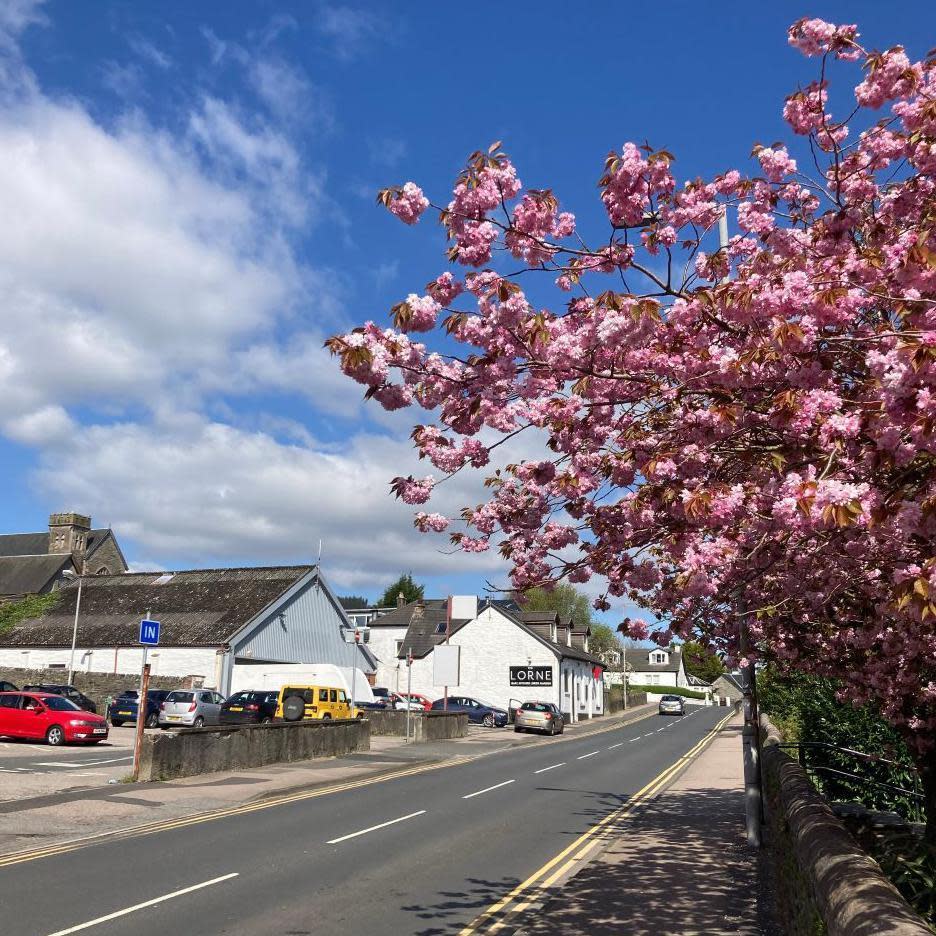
x: 914, y: 797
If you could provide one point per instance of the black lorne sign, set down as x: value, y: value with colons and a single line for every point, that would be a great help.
x: 531, y: 675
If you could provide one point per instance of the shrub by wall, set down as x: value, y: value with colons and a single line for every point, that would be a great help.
x: 670, y: 690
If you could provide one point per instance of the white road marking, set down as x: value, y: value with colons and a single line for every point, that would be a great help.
x: 662, y: 729
x: 649, y: 735
x: 73, y: 765
x: 551, y: 767
x: 383, y: 825
x: 593, y: 753
x: 613, y: 746
x: 142, y: 906
x: 496, y: 786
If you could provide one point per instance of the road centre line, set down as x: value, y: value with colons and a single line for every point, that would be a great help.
x: 613, y: 746
x: 374, y: 828
x: 551, y: 767
x: 518, y: 895
x: 649, y: 735
x: 496, y: 786
x: 164, y: 825
x: 142, y: 906
x: 593, y: 753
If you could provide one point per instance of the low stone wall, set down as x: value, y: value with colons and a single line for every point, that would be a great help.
x: 424, y: 726
x: 194, y: 751
x: 824, y: 882
x: 614, y: 701
x: 96, y: 686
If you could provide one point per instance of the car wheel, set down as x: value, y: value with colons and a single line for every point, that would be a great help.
x: 116, y: 724
x: 152, y: 721
x: 488, y: 720
x: 266, y: 721
x: 199, y: 722
x: 518, y: 729
x: 55, y: 736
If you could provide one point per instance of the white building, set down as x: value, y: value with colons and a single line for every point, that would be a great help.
x: 506, y: 657
x: 656, y: 667
x: 213, y: 622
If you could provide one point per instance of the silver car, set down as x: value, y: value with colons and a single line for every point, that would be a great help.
x: 190, y: 708
x: 539, y: 716
x: 672, y: 705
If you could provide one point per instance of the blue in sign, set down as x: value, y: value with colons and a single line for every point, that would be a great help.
x: 149, y: 632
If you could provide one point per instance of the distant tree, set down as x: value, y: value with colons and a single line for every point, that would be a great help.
x: 353, y: 601
x: 405, y: 584
x: 564, y: 598
x: 602, y: 640
x: 701, y: 662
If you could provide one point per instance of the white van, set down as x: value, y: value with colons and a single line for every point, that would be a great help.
x: 275, y: 676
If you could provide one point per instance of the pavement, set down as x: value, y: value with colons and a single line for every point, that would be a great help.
x: 677, y: 864
x: 429, y: 850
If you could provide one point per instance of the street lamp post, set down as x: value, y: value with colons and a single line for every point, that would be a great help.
x: 67, y: 573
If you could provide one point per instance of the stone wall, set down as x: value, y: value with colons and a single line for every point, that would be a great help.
x: 614, y: 702
x: 96, y: 686
x: 424, y: 726
x: 824, y: 883
x: 195, y: 751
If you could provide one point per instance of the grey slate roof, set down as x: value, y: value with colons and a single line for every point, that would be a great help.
x: 26, y: 575
x: 639, y: 660
x: 36, y: 544
x: 532, y: 627
x: 199, y: 608
x: 422, y: 620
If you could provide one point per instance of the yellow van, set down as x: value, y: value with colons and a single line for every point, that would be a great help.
x: 295, y: 703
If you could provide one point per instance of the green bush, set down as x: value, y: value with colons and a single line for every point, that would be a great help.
x: 804, y: 709
x: 668, y: 690
x: 29, y: 607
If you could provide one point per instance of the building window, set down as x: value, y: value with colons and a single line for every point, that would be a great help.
x: 103, y: 571
x: 658, y: 656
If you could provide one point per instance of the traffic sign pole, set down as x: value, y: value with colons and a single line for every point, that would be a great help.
x: 149, y: 636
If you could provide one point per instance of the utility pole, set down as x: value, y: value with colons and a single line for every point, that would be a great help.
x: 624, y: 671
x: 448, y: 627
x: 409, y: 690
x: 71, y: 660
x: 141, y: 718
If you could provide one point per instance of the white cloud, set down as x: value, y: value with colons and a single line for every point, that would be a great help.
x: 349, y: 29
x: 204, y: 491
x: 147, y: 51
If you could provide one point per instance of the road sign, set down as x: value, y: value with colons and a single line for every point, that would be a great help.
x: 149, y: 632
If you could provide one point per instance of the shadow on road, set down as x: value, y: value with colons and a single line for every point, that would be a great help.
x: 449, y: 915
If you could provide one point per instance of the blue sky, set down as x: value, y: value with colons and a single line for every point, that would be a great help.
x: 188, y: 196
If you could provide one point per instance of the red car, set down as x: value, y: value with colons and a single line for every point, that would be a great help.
x: 416, y: 697
x: 42, y: 715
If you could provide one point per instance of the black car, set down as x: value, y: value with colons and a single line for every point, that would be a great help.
x: 479, y: 712
x: 124, y: 707
x: 7, y: 686
x: 69, y: 692
x: 251, y: 707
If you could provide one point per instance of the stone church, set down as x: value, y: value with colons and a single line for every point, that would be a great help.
x: 36, y: 563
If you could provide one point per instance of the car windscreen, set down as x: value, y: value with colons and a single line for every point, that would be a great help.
x: 181, y: 697
x: 240, y: 697
x: 60, y: 704
x: 535, y: 707
x: 132, y: 694
x: 669, y: 698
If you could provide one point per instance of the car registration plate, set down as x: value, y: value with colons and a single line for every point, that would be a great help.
x: 237, y: 708
x: 174, y: 717
x: 125, y: 713
x: 98, y: 731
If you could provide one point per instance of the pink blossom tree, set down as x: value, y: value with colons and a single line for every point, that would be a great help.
x: 738, y: 430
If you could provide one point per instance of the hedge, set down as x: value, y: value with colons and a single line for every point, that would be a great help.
x: 668, y: 690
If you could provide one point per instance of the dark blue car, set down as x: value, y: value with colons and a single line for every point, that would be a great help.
x: 124, y: 707
x: 479, y: 712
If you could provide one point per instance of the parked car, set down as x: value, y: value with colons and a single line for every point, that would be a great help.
x: 249, y: 708
x: 7, y: 686
x: 295, y: 703
x: 539, y: 716
x: 479, y: 712
x: 190, y: 708
x: 417, y: 702
x: 69, y: 692
x: 383, y: 697
x: 50, y: 716
x: 672, y: 705
x: 124, y: 707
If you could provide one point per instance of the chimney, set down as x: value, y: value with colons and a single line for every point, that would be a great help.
x: 68, y: 533
x: 400, y: 599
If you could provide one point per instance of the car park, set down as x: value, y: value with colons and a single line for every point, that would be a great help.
x: 249, y: 707
x: 47, y: 716
x: 69, y: 692
x: 124, y: 708
x: 479, y: 712
x: 539, y: 716
x: 295, y: 703
x: 190, y: 708
x: 672, y: 705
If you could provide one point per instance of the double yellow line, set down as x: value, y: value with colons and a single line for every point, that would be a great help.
x: 180, y: 823
x: 534, y: 888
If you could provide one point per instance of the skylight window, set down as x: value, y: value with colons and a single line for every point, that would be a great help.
x: 440, y: 627
x: 166, y: 577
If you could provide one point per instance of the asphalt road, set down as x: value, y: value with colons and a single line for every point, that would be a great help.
x: 420, y: 854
